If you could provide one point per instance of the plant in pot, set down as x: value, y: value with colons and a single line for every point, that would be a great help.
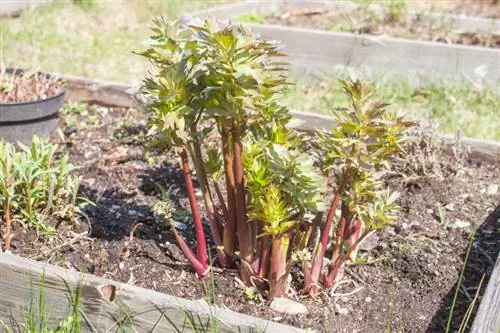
x: 29, y: 102
x: 213, y: 96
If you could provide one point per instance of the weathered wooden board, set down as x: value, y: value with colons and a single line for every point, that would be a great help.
x: 316, y: 53
x: 106, y: 304
x: 487, y: 319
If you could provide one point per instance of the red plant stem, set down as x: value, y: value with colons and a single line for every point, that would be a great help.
x: 215, y: 226
x: 348, y: 226
x: 229, y: 235
x: 222, y: 202
x: 200, y: 235
x: 200, y: 268
x: 318, y: 258
x: 308, y: 282
x: 337, y: 264
x: 8, y: 224
x: 244, y: 233
x: 264, y: 255
x: 278, y: 272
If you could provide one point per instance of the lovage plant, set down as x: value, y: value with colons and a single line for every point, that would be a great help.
x: 214, y: 99
x: 353, y: 155
x: 214, y: 96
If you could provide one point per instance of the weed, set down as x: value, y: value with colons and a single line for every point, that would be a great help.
x: 36, y: 185
x: 72, y: 108
x: 448, y: 329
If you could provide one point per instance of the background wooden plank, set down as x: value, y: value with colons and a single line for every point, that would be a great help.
x: 488, y: 316
x: 105, y: 302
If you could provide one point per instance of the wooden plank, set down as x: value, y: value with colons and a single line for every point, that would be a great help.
x: 487, y: 319
x: 322, y: 50
x: 91, y: 91
x: 105, y: 303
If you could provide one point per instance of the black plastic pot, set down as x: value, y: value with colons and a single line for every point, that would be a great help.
x: 21, y: 121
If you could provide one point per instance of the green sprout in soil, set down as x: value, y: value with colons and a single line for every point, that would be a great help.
x: 37, y: 187
x: 214, y: 97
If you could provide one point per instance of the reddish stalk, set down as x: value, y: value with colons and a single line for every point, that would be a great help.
x: 215, y: 226
x: 200, y: 268
x: 318, y: 258
x: 229, y: 235
x: 264, y: 256
x: 245, y: 240
x: 200, y: 235
x: 222, y: 202
x: 335, y: 265
x: 8, y: 224
x: 278, y: 281
x: 355, y: 231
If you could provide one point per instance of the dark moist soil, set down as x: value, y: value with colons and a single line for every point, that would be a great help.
x: 407, y: 277
x: 363, y: 21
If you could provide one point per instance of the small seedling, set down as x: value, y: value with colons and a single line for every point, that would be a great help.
x: 35, y: 186
x: 441, y: 214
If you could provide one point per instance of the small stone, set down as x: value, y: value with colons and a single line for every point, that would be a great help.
x: 369, y: 243
x: 287, y: 306
x: 339, y: 310
x: 368, y: 300
x: 121, y: 265
x: 450, y: 207
x: 492, y: 189
x: 343, y: 311
x: 459, y: 224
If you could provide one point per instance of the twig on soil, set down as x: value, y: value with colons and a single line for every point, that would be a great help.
x: 133, y: 229
x: 355, y: 276
x: 350, y: 293
x: 89, y: 232
x: 486, y: 255
x: 464, y: 291
x: 70, y: 242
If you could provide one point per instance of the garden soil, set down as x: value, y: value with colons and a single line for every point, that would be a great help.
x: 405, y: 279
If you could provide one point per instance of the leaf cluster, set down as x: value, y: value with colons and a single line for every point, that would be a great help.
x: 356, y: 151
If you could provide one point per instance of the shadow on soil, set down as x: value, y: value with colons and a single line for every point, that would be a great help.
x: 120, y: 215
x: 481, y: 261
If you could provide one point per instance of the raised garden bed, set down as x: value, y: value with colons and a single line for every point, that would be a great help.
x: 316, y: 52
x: 413, y: 270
